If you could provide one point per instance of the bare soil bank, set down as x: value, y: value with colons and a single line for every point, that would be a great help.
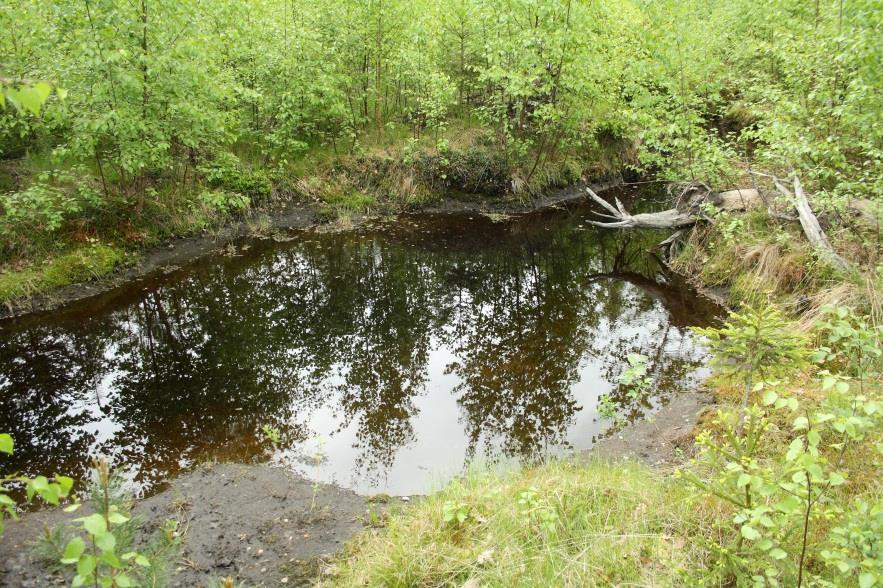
x: 663, y: 439
x: 180, y: 251
x: 266, y: 527
x: 254, y: 523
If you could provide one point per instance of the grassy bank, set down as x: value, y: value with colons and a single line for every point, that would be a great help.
x: 564, y: 524
x: 753, y: 259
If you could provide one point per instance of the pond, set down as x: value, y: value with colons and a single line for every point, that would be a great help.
x: 387, y: 357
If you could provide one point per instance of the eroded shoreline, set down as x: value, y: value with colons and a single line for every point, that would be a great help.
x: 184, y: 250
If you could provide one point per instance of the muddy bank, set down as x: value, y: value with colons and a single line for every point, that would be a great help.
x: 663, y: 438
x: 264, y: 526
x: 257, y: 524
x: 180, y: 251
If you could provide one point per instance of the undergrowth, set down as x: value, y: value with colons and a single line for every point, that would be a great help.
x: 59, y: 210
x: 563, y: 524
x: 756, y: 260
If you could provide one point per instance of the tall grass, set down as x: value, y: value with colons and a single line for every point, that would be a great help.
x: 562, y: 524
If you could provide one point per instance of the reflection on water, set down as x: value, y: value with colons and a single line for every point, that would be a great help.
x: 387, y: 357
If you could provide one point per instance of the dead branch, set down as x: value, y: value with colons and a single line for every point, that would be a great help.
x: 667, y: 219
x: 809, y: 221
x: 687, y: 212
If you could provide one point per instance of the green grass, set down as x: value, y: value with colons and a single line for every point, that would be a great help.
x: 562, y: 524
x: 80, y: 265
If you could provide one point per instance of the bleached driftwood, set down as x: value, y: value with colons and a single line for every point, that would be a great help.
x: 667, y: 219
x: 687, y: 213
x: 809, y: 222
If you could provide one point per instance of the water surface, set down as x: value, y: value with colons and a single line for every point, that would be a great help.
x: 387, y: 357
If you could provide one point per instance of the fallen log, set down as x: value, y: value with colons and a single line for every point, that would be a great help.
x: 687, y: 213
x: 809, y: 222
x: 667, y: 219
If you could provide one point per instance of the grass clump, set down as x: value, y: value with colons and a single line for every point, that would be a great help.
x: 80, y: 265
x: 562, y: 524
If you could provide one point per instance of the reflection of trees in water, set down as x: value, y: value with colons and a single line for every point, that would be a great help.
x: 197, y: 365
x: 520, y: 349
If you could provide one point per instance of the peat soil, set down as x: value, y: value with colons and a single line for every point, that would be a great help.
x: 180, y: 251
x: 257, y: 524
x: 665, y: 438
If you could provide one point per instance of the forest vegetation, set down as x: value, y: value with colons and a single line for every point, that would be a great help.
x: 123, y: 124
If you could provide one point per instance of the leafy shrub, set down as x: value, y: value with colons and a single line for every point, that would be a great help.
x: 226, y: 172
x: 50, y: 490
x: 44, y: 206
x: 783, y: 494
x: 223, y: 202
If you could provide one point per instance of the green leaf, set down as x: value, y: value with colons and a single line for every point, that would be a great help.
x: 42, y: 91
x: 124, y: 581
x: 770, y: 397
x: 777, y: 553
x: 94, y: 524
x: 40, y: 483
x: 64, y: 483
x: 116, y: 517
x: 27, y: 98
x: 866, y: 580
x: 111, y: 559
x: 86, y: 565
x: 789, y: 504
x: 73, y: 550
x: 836, y: 479
x: 142, y: 561
x: 51, y: 494
x: 6, y: 443
x: 795, y: 449
x: 750, y: 532
x: 106, y: 541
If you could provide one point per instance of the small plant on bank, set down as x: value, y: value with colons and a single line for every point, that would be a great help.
x: 783, y: 495
x: 758, y: 343
x: 455, y: 513
x: 637, y: 384
x: 536, y: 508
x: 272, y: 434
x: 99, y: 549
x: 50, y: 490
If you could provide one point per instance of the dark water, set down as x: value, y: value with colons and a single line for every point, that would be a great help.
x: 387, y: 358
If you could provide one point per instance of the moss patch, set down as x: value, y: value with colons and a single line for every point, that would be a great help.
x: 80, y: 265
